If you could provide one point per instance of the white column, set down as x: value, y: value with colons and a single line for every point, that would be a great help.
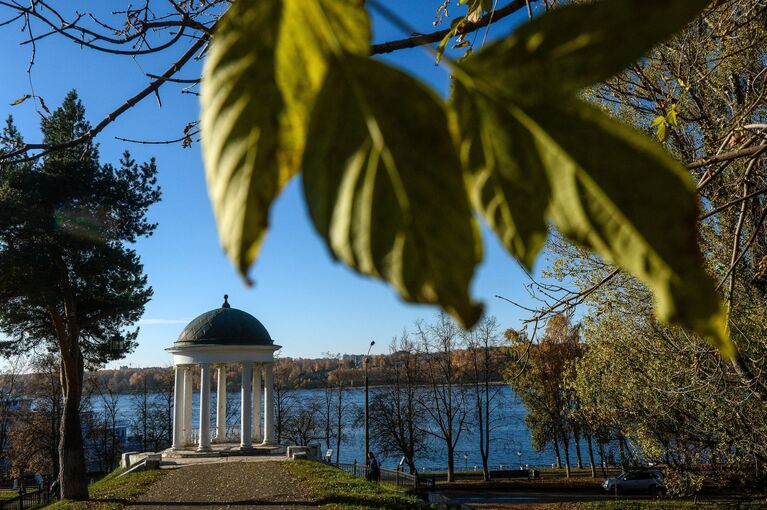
x: 178, y: 410
x: 187, y: 405
x: 221, y: 405
x: 257, y: 431
x: 245, y: 410
x: 269, y: 405
x: 204, y: 407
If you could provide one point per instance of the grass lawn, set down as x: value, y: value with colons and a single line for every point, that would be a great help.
x: 576, y: 483
x: 338, y: 490
x: 8, y: 494
x: 111, y: 493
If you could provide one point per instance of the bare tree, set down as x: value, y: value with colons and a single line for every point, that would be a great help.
x: 482, y: 344
x: 9, y: 403
x: 285, y: 403
x: 153, y: 404
x: 101, y: 407
x: 444, y: 400
x: 306, y: 422
x: 395, y: 409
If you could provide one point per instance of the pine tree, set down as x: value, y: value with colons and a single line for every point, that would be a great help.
x: 68, y: 279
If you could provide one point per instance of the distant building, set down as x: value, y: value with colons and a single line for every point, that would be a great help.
x: 354, y: 358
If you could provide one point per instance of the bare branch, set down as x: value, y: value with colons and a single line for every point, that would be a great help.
x: 423, y: 39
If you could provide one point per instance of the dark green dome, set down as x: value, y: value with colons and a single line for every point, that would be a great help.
x: 224, y: 326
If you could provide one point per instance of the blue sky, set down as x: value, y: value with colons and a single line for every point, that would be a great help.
x: 310, y: 304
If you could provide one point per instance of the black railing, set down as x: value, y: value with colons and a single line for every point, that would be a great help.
x: 28, y: 500
x: 396, y: 477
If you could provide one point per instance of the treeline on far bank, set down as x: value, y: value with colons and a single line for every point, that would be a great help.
x: 290, y: 373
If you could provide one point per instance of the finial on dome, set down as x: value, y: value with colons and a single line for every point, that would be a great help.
x: 226, y: 302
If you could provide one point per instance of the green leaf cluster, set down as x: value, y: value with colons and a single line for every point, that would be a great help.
x: 392, y: 173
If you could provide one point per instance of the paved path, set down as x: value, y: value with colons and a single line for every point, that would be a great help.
x: 265, y: 485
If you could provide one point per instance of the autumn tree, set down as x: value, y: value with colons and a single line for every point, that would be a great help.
x: 540, y: 373
x: 662, y: 390
x: 10, y: 391
x: 69, y: 278
x: 35, y: 432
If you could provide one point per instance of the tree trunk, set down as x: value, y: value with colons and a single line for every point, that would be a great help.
x: 602, y: 458
x: 622, y: 448
x: 578, y: 455
x: 450, y: 464
x: 486, y: 451
x: 591, y: 456
x: 339, y: 423
x: 72, y: 474
x: 566, y: 448
x: 557, y: 452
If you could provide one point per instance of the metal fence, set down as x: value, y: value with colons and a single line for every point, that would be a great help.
x: 395, y: 477
x: 29, y: 500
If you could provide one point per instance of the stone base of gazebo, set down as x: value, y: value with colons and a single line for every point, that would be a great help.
x: 223, y: 450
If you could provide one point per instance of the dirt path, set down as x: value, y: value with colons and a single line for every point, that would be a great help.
x: 235, y: 485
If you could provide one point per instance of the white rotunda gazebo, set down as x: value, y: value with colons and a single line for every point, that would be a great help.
x: 219, y: 339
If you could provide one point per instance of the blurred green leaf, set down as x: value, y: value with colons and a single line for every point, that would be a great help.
x: 265, y: 66
x: 606, y: 186
x: 622, y: 196
x: 383, y: 183
x: 507, y: 182
x: 580, y: 44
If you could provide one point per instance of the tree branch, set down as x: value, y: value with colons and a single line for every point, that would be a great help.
x: 754, y: 151
x: 422, y: 39
x: 111, y: 117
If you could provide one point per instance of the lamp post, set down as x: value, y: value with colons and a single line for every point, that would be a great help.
x: 367, y: 436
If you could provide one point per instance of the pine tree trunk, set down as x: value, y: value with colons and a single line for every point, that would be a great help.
x: 72, y: 474
x: 591, y: 456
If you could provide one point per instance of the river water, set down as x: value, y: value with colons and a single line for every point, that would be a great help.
x: 510, y: 446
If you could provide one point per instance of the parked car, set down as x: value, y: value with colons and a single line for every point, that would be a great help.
x: 649, y: 481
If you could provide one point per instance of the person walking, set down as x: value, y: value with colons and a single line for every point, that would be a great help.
x: 374, y: 472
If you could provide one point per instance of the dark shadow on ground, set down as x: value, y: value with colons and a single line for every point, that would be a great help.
x: 246, y: 502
